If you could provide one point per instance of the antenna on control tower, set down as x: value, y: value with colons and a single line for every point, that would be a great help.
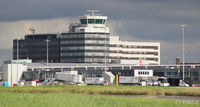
x: 32, y: 29
x: 93, y: 11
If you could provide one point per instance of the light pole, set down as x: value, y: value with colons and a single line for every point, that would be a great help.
x: 17, y: 57
x: 105, y: 53
x: 183, y: 34
x: 47, y: 51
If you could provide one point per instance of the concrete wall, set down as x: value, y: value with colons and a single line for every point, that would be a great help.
x: 12, y: 72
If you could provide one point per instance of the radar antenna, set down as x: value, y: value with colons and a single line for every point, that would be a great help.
x: 32, y: 29
x: 93, y: 12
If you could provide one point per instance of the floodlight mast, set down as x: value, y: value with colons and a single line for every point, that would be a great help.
x: 105, y: 54
x: 183, y: 34
x: 17, y: 57
x: 47, y: 40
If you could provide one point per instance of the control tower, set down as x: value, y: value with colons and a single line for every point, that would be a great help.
x: 86, y: 41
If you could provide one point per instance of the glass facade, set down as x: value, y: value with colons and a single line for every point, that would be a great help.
x: 35, y: 47
x: 84, y: 47
x: 83, y: 21
x: 173, y: 73
x: 92, y: 21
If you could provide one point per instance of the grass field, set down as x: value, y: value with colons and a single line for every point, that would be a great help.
x: 10, y: 99
x: 107, y: 90
x: 93, y: 96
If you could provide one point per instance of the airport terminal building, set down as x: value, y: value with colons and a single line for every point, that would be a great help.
x: 88, y: 41
x: 29, y: 71
x: 89, y: 48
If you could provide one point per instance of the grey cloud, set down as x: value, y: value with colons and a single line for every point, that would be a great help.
x: 5, y: 54
x: 166, y: 10
x: 17, y: 29
x: 153, y: 30
x: 144, y: 20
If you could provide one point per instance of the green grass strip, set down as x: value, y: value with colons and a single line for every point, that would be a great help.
x: 9, y: 99
x: 107, y: 90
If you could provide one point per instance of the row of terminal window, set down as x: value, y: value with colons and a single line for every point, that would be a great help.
x: 143, y: 73
x: 92, y: 21
x: 86, y: 36
x: 84, y: 54
x: 135, y: 46
x: 85, y: 47
x: 84, y: 42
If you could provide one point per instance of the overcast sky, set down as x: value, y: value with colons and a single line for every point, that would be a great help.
x: 135, y: 20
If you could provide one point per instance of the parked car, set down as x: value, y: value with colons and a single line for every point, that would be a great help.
x: 162, y: 81
x: 142, y: 83
x: 155, y: 83
x: 183, y: 84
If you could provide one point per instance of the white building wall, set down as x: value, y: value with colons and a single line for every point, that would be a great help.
x: 11, y: 74
x: 143, y: 73
x: 12, y: 71
x: 128, y: 51
x: 93, y: 28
